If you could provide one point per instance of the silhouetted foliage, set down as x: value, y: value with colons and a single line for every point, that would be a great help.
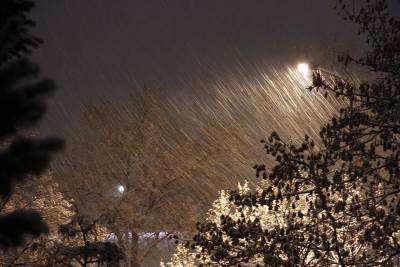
x: 22, y: 105
x: 14, y: 29
x: 22, y: 221
x: 340, y: 201
x: 84, y: 243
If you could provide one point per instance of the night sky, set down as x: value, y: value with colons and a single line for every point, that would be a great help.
x: 98, y: 47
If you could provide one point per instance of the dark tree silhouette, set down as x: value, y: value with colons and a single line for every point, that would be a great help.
x: 83, y: 243
x: 342, y: 200
x: 22, y: 105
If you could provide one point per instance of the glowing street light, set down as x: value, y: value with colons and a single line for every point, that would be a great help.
x: 303, y: 68
x: 121, y: 189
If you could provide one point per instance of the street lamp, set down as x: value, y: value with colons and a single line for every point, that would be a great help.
x: 121, y: 189
x: 303, y: 68
x: 329, y: 73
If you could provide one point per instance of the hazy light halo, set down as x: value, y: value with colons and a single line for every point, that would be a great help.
x: 303, y: 68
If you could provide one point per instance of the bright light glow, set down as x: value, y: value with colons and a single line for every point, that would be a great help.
x: 121, y: 189
x: 303, y: 68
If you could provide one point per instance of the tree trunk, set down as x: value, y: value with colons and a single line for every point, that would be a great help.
x: 134, y: 260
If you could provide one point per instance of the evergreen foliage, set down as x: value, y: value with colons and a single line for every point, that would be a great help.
x: 22, y: 105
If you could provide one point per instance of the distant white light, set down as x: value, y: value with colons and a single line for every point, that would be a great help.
x: 121, y: 189
x: 303, y: 68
